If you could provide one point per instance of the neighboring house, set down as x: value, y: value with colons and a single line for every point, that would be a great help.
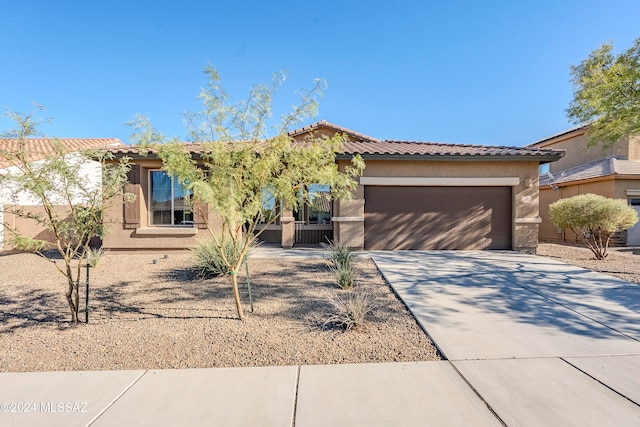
x: 40, y: 148
x: 612, y: 172
x: 412, y: 195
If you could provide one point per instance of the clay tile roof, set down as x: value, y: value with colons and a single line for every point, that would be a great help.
x: 372, y: 147
x: 436, y: 150
x: 368, y: 147
x: 597, y: 169
x: 134, y: 151
x: 42, y: 147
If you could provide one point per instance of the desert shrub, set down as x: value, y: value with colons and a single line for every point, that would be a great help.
x: 350, y: 309
x: 344, y: 275
x: 341, y: 264
x: 593, y: 218
x: 93, y: 256
x: 208, y: 258
x: 339, y: 254
x: 209, y: 262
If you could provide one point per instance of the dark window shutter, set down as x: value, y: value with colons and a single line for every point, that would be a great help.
x: 200, y: 215
x: 132, y: 210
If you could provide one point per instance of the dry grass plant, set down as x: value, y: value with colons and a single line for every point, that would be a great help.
x: 339, y: 254
x: 93, y: 256
x: 341, y: 264
x: 350, y: 309
x: 345, y: 275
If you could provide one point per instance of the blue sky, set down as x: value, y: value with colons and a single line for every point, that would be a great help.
x: 493, y: 73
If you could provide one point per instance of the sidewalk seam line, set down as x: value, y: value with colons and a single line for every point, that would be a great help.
x: 295, y: 398
x: 495, y: 414
x: 118, y: 397
x: 597, y: 380
x: 406, y: 306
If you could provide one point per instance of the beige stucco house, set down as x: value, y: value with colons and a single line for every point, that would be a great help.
x: 412, y: 195
x: 612, y: 172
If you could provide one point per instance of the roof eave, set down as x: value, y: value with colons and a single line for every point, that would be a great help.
x: 148, y: 155
x: 558, y: 137
x: 542, y: 159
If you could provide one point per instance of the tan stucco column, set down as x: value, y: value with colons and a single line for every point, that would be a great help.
x: 348, y: 220
x: 288, y: 229
x: 526, y: 235
x: 526, y: 219
x: 349, y: 231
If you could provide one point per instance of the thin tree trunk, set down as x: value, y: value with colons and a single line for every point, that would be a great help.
x: 236, y: 294
x: 76, y: 297
x: 70, y: 297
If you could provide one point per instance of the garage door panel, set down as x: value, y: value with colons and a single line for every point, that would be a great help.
x: 428, y: 241
x: 437, y: 217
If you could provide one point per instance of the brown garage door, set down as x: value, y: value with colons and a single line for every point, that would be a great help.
x: 465, y: 218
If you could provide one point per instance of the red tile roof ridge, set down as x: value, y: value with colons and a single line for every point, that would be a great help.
x: 324, y: 123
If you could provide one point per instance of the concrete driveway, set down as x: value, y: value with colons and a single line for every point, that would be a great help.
x: 542, y: 342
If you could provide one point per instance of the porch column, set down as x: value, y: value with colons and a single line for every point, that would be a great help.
x: 348, y: 222
x: 288, y: 228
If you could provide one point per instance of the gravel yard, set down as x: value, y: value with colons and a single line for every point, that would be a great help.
x: 159, y: 316
x: 622, y: 262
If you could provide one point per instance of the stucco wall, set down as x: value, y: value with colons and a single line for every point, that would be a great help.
x: 28, y: 227
x: 634, y: 148
x: 622, y: 185
x: 577, y: 152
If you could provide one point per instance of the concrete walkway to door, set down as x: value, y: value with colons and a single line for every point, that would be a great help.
x: 541, y: 342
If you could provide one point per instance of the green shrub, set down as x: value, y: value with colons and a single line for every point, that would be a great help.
x: 593, y: 218
x: 350, y: 309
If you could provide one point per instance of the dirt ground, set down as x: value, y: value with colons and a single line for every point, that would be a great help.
x: 622, y: 262
x: 157, y: 316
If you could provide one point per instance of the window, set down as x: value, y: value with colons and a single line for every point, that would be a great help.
x: 170, y: 201
x: 270, y: 207
x: 634, y: 202
x: 318, y: 210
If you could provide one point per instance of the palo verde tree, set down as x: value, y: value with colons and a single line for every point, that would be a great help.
x: 606, y: 94
x: 243, y: 159
x: 593, y: 218
x: 72, y: 203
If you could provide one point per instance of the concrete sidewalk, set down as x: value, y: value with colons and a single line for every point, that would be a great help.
x: 529, y: 341
x: 407, y: 394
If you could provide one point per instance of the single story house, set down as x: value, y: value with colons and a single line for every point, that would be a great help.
x: 412, y: 195
x: 612, y: 172
x: 39, y: 149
